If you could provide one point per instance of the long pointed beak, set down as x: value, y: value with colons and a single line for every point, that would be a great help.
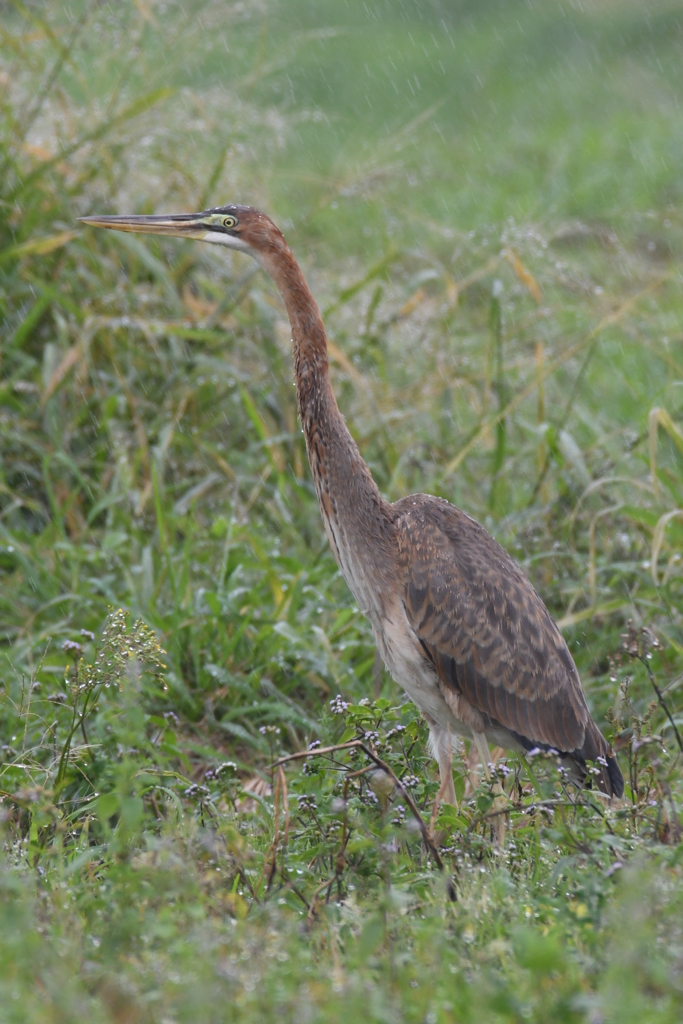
x: 185, y: 225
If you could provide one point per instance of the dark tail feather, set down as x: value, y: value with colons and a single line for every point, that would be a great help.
x: 596, y: 748
x: 615, y: 776
x: 609, y: 779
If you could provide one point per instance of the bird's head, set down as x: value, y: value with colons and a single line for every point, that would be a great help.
x: 237, y: 227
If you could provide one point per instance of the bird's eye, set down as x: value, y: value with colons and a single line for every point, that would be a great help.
x: 229, y: 222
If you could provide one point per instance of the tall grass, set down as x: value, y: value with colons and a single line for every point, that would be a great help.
x: 172, y: 622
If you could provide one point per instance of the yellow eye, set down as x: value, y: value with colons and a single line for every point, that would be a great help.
x: 229, y: 222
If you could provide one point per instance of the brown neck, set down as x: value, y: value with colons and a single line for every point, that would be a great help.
x: 308, y: 334
x: 317, y: 405
x: 352, y: 507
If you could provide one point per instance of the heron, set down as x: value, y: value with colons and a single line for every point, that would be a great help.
x: 458, y: 625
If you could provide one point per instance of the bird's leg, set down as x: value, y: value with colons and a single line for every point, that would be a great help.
x: 441, y: 795
x: 483, y: 751
x: 499, y: 799
x: 444, y: 753
x: 446, y: 793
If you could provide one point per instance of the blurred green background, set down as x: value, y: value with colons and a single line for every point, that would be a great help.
x: 412, y: 117
x: 486, y: 199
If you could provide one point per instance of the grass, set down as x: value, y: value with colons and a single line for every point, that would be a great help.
x: 486, y: 200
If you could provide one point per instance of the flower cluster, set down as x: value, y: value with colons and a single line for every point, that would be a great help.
x: 119, y: 647
x: 201, y: 792
x: 547, y: 752
x: 410, y: 781
x: 400, y: 812
x: 307, y: 802
x: 338, y: 706
x: 220, y: 771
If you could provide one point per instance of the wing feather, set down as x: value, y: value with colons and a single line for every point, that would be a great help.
x: 488, y: 632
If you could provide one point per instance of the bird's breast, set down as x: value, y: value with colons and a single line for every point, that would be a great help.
x: 350, y: 556
x: 406, y: 661
x: 355, y: 531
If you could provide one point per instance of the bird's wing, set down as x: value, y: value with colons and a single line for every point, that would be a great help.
x: 486, y: 630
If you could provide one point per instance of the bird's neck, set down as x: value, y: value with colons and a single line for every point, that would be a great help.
x: 357, y: 518
x: 309, y: 341
x: 318, y: 407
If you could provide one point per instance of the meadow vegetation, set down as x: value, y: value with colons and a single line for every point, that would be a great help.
x: 487, y: 201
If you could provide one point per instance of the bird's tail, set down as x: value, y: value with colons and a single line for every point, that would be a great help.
x: 609, y: 779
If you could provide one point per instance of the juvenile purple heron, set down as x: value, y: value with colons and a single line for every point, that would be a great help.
x: 458, y: 624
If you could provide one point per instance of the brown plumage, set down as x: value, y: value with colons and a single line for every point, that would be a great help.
x: 458, y: 624
x: 499, y: 657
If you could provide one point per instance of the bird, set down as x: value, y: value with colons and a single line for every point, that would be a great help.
x: 458, y: 625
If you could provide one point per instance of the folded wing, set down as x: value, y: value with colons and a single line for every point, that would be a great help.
x: 489, y: 635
